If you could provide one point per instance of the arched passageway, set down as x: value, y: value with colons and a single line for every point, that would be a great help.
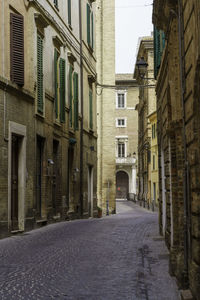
x: 122, y: 185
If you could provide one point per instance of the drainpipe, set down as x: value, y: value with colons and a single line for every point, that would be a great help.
x: 81, y: 94
x: 185, y: 182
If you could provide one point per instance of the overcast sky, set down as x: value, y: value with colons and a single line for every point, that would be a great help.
x: 133, y: 20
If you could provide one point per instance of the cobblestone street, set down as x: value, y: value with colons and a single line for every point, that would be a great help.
x: 120, y: 257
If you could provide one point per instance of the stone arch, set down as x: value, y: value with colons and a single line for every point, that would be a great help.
x: 122, y: 184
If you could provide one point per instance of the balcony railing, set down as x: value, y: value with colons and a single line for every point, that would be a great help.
x: 125, y: 160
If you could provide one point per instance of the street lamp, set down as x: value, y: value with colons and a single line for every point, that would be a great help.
x: 142, y: 65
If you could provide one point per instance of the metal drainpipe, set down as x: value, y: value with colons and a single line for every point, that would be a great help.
x: 81, y: 131
x: 183, y: 88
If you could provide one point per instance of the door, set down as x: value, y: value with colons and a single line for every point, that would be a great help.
x: 14, y: 181
x: 55, y: 175
x: 70, y: 175
x: 39, y: 154
x: 122, y: 185
x: 90, y: 191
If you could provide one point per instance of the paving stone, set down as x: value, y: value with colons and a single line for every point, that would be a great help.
x: 118, y: 257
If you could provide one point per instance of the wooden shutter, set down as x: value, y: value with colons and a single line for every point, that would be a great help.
x: 17, y: 48
x: 69, y: 13
x: 75, y: 101
x: 56, y: 81
x: 62, y: 90
x: 88, y: 24
x: 90, y: 110
x: 39, y: 74
x: 92, y: 20
x: 70, y: 96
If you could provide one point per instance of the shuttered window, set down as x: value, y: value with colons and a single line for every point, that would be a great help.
x: 90, y: 27
x: 55, y: 3
x: 56, y: 55
x: 62, y: 90
x: 90, y: 110
x: 17, y: 49
x: 70, y: 96
x: 88, y: 24
x: 39, y: 74
x: 69, y: 13
x: 75, y: 79
x: 159, y: 44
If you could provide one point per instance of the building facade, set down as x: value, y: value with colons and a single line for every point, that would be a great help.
x: 154, y: 161
x: 48, y: 141
x: 145, y: 107
x: 126, y: 136
x: 177, y: 73
x: 105, y: 44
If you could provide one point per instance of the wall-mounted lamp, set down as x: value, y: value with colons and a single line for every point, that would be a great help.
x: 50, y: 161
x: 142, y: 65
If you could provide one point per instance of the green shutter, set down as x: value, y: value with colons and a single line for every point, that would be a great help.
x: 70, y: 96
x: 88, y: 24
x: 39, y: 74
x: 62, y: 90
x: 69, y: 13
x: 75, y: 78
x: 56, y: 81
x: 157, y: 51
x: 92, y: 31
x: 90, y: 110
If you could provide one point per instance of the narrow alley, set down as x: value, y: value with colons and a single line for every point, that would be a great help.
x: 116, y: 257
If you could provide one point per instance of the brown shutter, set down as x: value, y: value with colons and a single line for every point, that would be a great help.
x: 17, y: 48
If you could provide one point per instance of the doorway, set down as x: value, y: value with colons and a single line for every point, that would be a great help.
x: 90, y: 191
x: 55, y: 183
x: 122, y: 185
x: 39, y: 159
x: 16, y: 142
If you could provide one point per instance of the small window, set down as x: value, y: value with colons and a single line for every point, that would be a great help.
x: 121, y: 150
x: 154, y: 162
x: 121, y: 100
x: 55, y: 3
x: 121, y: 122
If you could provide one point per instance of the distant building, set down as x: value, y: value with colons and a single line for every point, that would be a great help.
x: 105, y: 43
x: 48, y: 137
x: 145, y: 107
x: 126, y: 136
x: 154, y: 182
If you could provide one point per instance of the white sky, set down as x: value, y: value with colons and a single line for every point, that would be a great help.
x: 133, y: 19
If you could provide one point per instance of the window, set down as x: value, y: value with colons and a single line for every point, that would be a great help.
x: 90, y: 110
x: 62, y: 90
x: 75, y: 79
x: 90, y: 27
x: 40, y: 88
x: 121, y: 149
x: 59, y: 84
x: 70, y: 96
x: 154, y: 191
x: 121, y: 122
x: 154, y: 162
x: 55, y: 3
x: 121, y: 102
x: 69, y: 13
x: 153, y: 129
x: 17, y: 49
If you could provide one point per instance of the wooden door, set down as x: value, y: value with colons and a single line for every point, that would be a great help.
x: 14, y: 181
